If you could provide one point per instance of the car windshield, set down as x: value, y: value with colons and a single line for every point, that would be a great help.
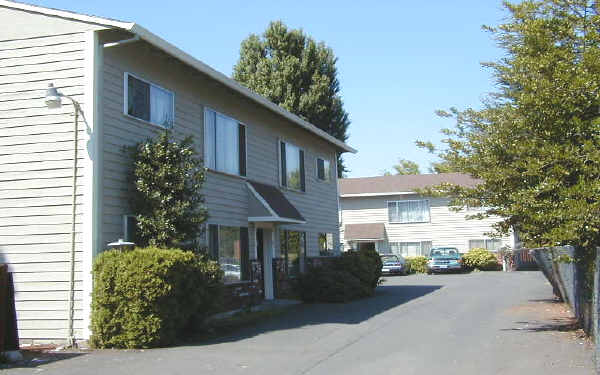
x: 444, y: 252
x: 389, y: 258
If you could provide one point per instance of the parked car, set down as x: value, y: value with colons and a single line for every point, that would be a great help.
x: 392, y: 264
x: 444, y: 259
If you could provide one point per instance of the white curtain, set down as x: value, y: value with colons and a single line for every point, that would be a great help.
x: 209, y: 138
x: 227, y: 154
x: 161, y: 107
x: 409, y: 211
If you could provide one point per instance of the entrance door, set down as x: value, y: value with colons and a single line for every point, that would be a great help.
x: 260, y: 244
x: 366, y: 246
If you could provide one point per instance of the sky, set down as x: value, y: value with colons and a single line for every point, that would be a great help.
x: 398, y: 61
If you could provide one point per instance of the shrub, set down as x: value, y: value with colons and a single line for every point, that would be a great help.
x: 353, y: 275
x: 480, y: 259
x: 147, y: 297
x: 416, y: 264
x: 167, y: 178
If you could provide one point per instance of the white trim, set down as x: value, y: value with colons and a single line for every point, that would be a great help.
x: 126, y: 99
x: 377, y: 194
x: 172, y: 50
x: 274, y: 219
x: 92, y: 188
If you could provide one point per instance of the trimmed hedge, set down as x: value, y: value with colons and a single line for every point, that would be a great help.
x: 148, y: 297
x: 416, y: 264
x: 350, y: 276
x: 480, y: 259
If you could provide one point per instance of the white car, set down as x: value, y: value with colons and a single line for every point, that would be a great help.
x: 393, y: 264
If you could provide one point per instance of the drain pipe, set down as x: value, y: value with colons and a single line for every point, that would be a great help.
x: 122, y: 42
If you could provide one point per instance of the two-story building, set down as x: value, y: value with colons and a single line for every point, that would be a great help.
x: 385, y: 213
x: 271, y: 186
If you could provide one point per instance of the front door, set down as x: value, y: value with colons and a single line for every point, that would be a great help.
x: 264, y: 252
x: 366, y: 246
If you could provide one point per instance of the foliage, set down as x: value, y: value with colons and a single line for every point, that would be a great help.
x: 480, y: 259
x: 167, y: 178
x: 404, y: 167
x: 416, y: 264
x: 147, y: 297
x: 291, y: 69
x: 352, y: 275
x: 535, y: 143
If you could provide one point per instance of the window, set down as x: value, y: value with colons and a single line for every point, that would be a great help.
x: 224, y: 143
x: 414, y: 211
x: 229, y: 246
x: 292, y: 249
x: 325, y: 244
x: 323, y: 169
x: 489, y: 244
x: 148, y: 102
x: 292, y: 166
x: 411, y: 248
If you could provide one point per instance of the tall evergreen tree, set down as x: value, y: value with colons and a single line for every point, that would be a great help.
x: 293, y: 70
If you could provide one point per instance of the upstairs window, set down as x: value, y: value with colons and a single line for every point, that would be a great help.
x: 413, y: 211
x: 292, y: 166
x: 149, y: 102
x: 224, y: 143
x: 488, y: 244
x: 323, y: 169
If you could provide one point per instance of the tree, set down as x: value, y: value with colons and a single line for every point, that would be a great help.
x: 535, y: 144
x: 292, y: 70
x: 406, y: 167
x: 166, y: 180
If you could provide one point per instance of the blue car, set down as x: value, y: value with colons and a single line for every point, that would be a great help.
x: 444, y: 259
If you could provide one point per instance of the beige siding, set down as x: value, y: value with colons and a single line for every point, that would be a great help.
x: 446, y: 227
x: 36, y: 159
x: 226, y: 196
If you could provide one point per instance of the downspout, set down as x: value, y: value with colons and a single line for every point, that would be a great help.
x: 71, y: 334
x: 122, y: 42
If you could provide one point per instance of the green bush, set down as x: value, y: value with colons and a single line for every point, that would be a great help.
x: 480, y: 259
x: 148, y: 297
x: 416, y: 264
x: 350, y: 276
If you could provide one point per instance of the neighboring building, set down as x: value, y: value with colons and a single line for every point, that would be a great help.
x: 386, y: 214
x: 271, y: 187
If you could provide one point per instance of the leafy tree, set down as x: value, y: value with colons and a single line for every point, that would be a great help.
x: 166, y: 180
x: 536, y: 142
x: 406, y: 167
x: 293, y: 70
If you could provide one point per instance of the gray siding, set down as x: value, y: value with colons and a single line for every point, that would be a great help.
x: 226, y: 196
x: 36, y: 158
x: 446, y: 227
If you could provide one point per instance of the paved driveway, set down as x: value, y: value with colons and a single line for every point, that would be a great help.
x: 480, y: 323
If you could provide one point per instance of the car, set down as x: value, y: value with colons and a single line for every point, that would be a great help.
x: 444, y: 259
x: 392, y: 264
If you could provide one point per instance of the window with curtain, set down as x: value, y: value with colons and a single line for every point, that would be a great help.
x: 413, y: 211
x: 292, y: 166
x: 149, y: 102
x: 230, y: 254
x: 224, y: 143
x: 489, y: 244
x: 292, y: 245
x: 325, y: 244
x: 411, y: 248
x: 323, y: 169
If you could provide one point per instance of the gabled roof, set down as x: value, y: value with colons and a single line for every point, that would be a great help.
x: 399, y: 184
x: 280, y: 209
x: 184, y: 57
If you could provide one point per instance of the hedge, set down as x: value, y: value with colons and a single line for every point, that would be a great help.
x: 480, y: 259
x: 353, y: 275
x: 148, y: 297
x: 416, y: 264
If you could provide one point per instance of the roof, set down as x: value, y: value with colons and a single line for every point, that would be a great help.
x: 184, y: 57
x: 273, y: 200
x: 369, y: 231
x: 400, y: 184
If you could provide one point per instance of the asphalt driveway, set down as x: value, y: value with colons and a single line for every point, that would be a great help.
x: 480, y: 323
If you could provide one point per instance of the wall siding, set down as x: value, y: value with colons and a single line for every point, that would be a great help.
x: 36, y: 158
x: 226, y: 196
x: 446, y: 227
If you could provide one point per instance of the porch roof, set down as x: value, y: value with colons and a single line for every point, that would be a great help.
x: 270, y: 205
x: 368, y: 231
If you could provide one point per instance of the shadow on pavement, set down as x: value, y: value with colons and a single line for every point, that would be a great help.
x: 34, y: 358
x: 555, y: 325
x: 386, y: 297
